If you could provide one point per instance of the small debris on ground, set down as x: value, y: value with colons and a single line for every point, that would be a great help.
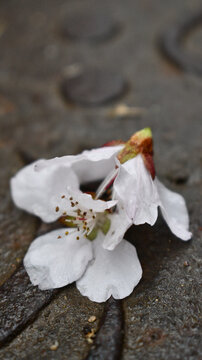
x: 122, y: 110
x: 89, y: 333
x: 54, y: 346
x: 92, y: 318
x: 90, y: 336
x: 186, y: 263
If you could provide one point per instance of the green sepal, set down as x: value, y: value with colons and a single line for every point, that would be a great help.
x: 140, y: 142
x: 105, y: 227
x: 92, y: 234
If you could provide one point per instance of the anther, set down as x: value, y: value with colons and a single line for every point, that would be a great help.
x: 63, y: 196
x: 59, y: 237
x: 57, y: 208
x: 66, y: 232
x: 77, y: 238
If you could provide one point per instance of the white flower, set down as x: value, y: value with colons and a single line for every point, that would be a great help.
x: 50, y: 190
x: 92, y: 251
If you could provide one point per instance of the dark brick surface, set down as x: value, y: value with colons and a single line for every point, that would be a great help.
x: 162, y: 314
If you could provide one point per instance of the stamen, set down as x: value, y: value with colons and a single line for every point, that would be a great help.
x: 66, y: 232
x: 63, y: 196
x: 59, y: 237
x: 107, y: 182
x: 57, y: 208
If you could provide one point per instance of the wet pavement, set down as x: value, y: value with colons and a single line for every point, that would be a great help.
x: 65, y: 69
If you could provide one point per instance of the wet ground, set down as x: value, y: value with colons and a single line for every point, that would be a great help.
x: 65, y: 69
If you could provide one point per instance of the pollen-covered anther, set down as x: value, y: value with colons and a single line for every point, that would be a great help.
x: 66, y: 232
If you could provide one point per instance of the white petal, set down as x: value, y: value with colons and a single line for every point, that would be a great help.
x: 113, y: 273
x: 120, y: 223
x: 136, y: 189
x: 174, y: 211
x: 85, y: 201
x: 40, y: 192
x: 53, y: 262
x: 90, y: 165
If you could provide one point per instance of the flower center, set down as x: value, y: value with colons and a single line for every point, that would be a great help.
x: 87, y: 221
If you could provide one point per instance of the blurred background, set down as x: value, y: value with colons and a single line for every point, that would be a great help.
x: 75, y: 74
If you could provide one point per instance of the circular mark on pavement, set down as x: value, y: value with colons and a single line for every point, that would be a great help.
x: 171, y: 44
x: 93, y: 87
x: 90, y: 25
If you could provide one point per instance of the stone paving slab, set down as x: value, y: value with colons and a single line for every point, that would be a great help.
x: 161, y: 317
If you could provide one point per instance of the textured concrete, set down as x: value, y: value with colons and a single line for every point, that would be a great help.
x: 162, y: 314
